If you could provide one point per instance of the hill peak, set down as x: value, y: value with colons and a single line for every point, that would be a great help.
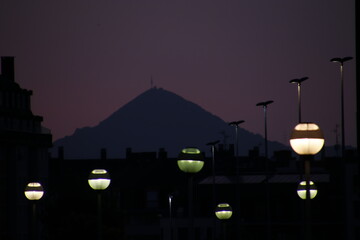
x: 155, y: 119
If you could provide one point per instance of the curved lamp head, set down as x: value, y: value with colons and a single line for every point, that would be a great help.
x: 99, y: 179
x: 301, y: 190
x: 223, y: 211
x: 341, y: 60
x: 34, y: 191
x: 190, y: 160
x: 307, y: 139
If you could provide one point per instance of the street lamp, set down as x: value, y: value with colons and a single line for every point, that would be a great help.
x: 236, y: 125
x: 341, y: 61
x: 99, y: 180
x: 298, y: 82
x: 190, y: 161
x: 268, y: 225
x: 223, y: 212
x: 34, y: 192
x: 212, y: 144
x: 264, y: 105
x: 301, y: 190
x: 307, y: 140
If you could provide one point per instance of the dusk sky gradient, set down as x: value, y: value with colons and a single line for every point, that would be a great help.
x: 85, y: 59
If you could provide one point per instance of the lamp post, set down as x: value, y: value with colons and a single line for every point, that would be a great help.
x: 212, y: 144
x: 99, y: 180
x: 268, y: 227
x: 307, y: 140
x: 342, y: 61
x: 190, y: 161
x: 348, y: 210
x: 34, y: 192
x: 298, y: 82
x: 236, y: 124
x: 170, y: 215
x: 223, y: 212
x: 264, y: 105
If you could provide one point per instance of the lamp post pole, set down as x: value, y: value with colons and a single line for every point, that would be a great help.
x: 264, y: 105
x: 307, y: 140
x: 307, y: 159
x: 236, y: 125
x: 268, y: 228
x: 342, y: 61
x: 190, y: 161
x: 99, y: 180
x: 223, y: 212
x: 34, y: 192
x: 212, y: 144
x: 348, y: 210
x: 170, y: 216
x: 298, y: 82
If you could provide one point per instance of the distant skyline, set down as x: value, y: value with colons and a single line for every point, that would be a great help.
x: 86, y: 59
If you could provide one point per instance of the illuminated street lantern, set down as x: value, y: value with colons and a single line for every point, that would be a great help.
x: 223, y: 211
x: 34, y: 191
x: 301, y: 190
x: 307, y: 139
x: 190, y: 160
x: 99, y: 179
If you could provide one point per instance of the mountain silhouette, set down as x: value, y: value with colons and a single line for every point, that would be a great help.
x: 156, y: 119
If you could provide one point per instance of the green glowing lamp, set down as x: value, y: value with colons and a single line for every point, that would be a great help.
x: 190, y: 160
x: 223, y: 211
x: 99, y: 179
x: 301, y: 190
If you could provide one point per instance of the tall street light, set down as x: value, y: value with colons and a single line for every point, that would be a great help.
x: 307, y: 140
x: 212, y: 144
x: 34, y: 192
x: 348, y: 210
x: 99, y: 180
x: 268, y: 227
x: 190, y: 161
x: 298, y: 82
x: 342, y: 61
x: 236, y: 124
x: 264, y: 106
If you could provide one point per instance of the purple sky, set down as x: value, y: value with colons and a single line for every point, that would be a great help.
x: 85, y: 59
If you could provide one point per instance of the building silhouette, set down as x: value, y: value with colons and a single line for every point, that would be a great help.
x: 137, y: 201
x: 24, y: 147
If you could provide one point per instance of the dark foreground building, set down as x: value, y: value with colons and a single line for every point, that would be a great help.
x: 24, y: 147
x: 148, y: 198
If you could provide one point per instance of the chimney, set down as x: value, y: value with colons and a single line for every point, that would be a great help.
x: 103, y: 154
x: 7, y: 68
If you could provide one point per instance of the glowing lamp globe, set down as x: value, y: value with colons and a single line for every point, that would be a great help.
x: 301, y: 191
x: 307, y: 139
x: 223, y: 211
x: 34, y: 191
x: 190, y: 160
x: 99, y: 179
